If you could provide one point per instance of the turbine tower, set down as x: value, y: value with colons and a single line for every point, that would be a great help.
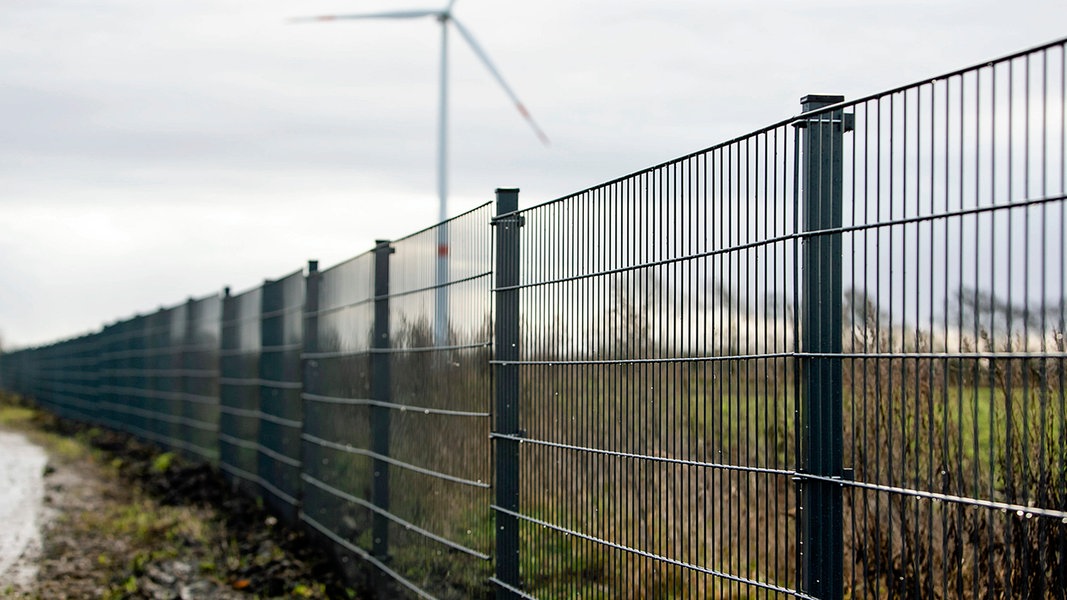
x: 445, y: 18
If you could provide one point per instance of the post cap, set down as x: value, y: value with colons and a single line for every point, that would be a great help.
x: 816, y: 101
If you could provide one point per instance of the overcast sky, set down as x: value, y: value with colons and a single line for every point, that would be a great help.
x: 152, y: 151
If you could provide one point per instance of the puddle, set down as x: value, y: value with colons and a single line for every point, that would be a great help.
x: 21, y: 491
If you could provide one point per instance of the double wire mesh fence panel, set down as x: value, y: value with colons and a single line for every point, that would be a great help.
x: 440, y: 525
x: 337, y: 472
x: 396, y: 420
x: 658, y: 385
x: 280, y: 410
x: 239, y: 384
x: 200, y: 377
x: 953, y: 352
x: 140, y: 375
x: 67, y: 375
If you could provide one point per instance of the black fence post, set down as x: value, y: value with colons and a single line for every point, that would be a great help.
x: 311, y: 319
x: 381, y: 391
x: 506, y: 349
x: 821, y: 427
x: 309, y: 372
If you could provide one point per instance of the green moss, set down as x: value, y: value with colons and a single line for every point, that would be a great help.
x: 162, y: 462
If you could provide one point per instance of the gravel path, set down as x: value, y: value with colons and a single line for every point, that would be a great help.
x: 22, y: 466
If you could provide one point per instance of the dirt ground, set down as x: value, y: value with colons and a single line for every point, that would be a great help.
x: 122, y: 520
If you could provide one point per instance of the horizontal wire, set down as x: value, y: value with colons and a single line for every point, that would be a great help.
x: 403, y: 465
x: 392, y: 405
x: 992, y: 504
x: 656, y: 557
x: 392, y: 517
x: 260, y: 481
x: 512, y: 589
x: 258, y: 414
x: 394, y: 350
x: 256, y: 381
x: 326, y: 531
x: 778, y: 355
x: 646, y: 457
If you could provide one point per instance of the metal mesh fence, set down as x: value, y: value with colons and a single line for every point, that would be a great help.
x: 391, y: 405
x: 199, y: 374
x: 658, y: 388
x: 953, y: 353
x: 239, y: 385
x: 66, y: 374
x: 280, y: 411
x: 337, y: 474
x: 438, y: 413
x: 822, y: 360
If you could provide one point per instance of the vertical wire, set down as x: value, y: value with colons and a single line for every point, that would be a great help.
x: 934, y: 389
x: 797, y: 497
x: 783, y: 392
x: 751, y: 366
x: 634, y: 380
x: 853, y: 361
x: 564, y: 458
x: 657, y: 307
x: 618, y: 349
x: 629, y: 380
x: 957, y: 365
x: 1043, y: 362
x: 1062, y: 466
x: 992, y: 244
x: 597, y: 377
x: 685, y: 374
x: 1024, y: 366
x: 761, y: 366
x: 714, y: 283
x: 930, y: 363
x: 706, y: 476
x: 774, y: 349
x: 1009, y: 346
x: 894, y: 406
x: 916, y: 364
x: 731, y: 181
x: 694, y: 347
x: 878, y: 322
x: 575, y: 400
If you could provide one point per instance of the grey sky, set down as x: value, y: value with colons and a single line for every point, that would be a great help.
x: 152, y: 151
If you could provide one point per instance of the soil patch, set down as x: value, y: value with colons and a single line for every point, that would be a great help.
x: 125, y: 520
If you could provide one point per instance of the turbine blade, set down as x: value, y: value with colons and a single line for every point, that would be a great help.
x: 481, y: 54
x: 451, y: 3
x: 401, y: 14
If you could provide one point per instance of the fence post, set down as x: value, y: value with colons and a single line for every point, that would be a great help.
x: 381, y: 391
x: 506, y: 430
x: 821, y: 427
x: 309, y: 373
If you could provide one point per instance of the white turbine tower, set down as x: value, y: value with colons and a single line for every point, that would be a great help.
x: 445, y: 17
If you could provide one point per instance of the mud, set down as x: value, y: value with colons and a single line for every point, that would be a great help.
x: 210, y: 542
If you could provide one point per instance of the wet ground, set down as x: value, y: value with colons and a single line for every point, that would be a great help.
x: 120, y: 520
x: 22, y: 466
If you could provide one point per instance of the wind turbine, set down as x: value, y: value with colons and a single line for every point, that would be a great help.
x: 444, y: 17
